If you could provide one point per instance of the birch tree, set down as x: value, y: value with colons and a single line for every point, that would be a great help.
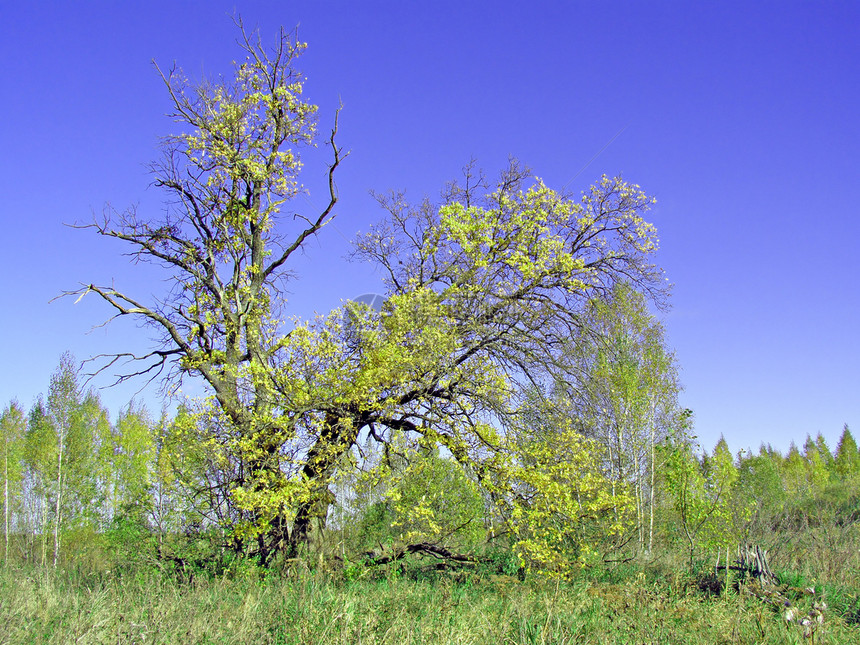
x: 62, y: 407
x: 132, y: 464
x: 13, y: 427
x: 622, y: 389
x: 64, y: 446
x: 39, y: 462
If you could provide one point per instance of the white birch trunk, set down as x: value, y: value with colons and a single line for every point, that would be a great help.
x: 44, y: 529
x: 6, y: 505
x: 57, y: 516
x: 653, y: 477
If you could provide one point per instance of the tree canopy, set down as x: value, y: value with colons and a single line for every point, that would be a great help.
x: 484, y: 289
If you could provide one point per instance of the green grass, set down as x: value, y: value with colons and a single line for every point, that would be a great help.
x: 72, y: 607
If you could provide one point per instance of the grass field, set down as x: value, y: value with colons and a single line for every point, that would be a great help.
x: 127, y: 607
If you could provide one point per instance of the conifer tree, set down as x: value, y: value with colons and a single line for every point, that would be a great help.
x: 825, y: 452
x: 794, y: 474
x: 847, y: 460
x: 817, y: 475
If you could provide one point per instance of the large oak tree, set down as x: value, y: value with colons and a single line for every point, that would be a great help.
x: 483, y: 289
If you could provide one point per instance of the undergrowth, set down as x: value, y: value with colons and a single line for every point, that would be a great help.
x: 249, y: 606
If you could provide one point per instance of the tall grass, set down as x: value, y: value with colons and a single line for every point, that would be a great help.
x: 38, y: 606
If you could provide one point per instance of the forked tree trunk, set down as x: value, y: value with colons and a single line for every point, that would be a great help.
x: 309, y: 521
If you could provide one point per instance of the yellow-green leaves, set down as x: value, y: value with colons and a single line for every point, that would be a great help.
x: 622, y: 205
x: 481, y: 293
x: 432, y: 500
x: 563, y: 501
x: 409, y: 494
x: 703, y: 494
x: 518, y: 240
x: 244, y: 131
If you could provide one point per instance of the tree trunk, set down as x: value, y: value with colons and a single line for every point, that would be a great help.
x: 6, y: 506
x: 640, y: 510
x: 159, y: 509
x: 653, y: 480
x: 57, y: 515
x: 44, y: 529
x: 334, y: 441
x: 310, y: 521
x: 612, y: 478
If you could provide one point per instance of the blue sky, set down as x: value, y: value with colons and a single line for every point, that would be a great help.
x: 741, y: 118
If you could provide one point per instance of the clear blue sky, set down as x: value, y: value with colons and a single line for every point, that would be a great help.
x: 743, y: 119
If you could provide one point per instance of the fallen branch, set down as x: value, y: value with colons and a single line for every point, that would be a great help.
x: 375, y: 558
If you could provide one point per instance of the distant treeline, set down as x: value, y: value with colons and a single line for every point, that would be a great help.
x: 75, y: 482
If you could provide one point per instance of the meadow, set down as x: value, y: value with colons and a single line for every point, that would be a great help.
x: 631, y: 604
